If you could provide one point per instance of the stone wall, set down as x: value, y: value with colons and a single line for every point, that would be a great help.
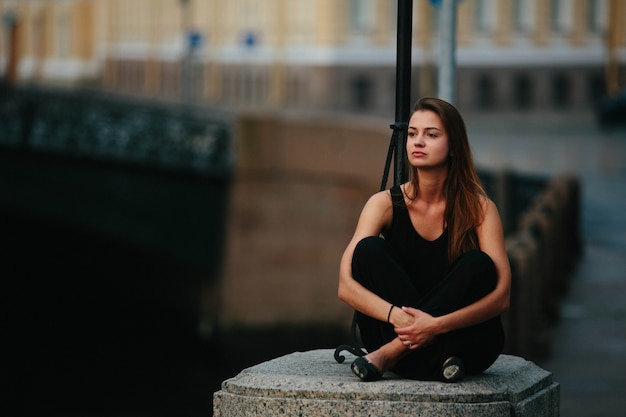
x: 299, y: 186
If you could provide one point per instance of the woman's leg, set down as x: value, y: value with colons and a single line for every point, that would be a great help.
x: 470, y: 278
x: 375, y: 266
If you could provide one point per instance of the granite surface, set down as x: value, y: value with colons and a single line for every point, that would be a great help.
x: 313, y: 384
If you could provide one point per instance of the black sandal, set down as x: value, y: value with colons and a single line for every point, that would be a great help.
x: 453, y: 369
x: 365, y: 370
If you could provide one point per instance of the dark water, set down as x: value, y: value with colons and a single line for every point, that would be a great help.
x: 97, y: 327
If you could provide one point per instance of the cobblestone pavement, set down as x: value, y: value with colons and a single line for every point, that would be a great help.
x: 589, y: 343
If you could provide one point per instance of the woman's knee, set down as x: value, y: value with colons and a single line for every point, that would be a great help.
x: 371, y: 257
x: 478, y: 260
x: 361, y: 258
x: 369, y: 246
x: 476, y: 264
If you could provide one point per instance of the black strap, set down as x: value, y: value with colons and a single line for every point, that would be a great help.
x: 397, y: 196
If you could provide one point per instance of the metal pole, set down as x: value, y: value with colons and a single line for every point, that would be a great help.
x: 403, y: 86
x: 447, y: 51
x: 186, y: 63
x: 397, y: 144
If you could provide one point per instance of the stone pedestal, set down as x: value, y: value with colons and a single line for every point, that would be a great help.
x: 314, y: 384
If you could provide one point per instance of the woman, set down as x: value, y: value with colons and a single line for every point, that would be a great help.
x: 430, y: 291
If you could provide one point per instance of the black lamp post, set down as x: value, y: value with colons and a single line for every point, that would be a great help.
x: 399, y: 136
x: 403, y: 94
x: 186, y: 80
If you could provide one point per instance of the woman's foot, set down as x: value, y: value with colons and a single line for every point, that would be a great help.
x: 366, y: 370
x: 373, y: 366
x: 453, y: 369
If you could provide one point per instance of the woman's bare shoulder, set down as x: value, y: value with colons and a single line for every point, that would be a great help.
x: 487, y: 204
x: 382, y: 196
x: 378, y: 208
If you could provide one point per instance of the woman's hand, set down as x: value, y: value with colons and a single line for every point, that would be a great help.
x: 420, y: 332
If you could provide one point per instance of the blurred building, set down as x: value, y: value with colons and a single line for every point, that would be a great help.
x: 316, y: 54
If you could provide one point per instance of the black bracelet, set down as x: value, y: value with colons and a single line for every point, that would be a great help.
x: 389, y: 314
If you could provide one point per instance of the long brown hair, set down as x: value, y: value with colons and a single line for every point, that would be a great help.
x: 462, y: 189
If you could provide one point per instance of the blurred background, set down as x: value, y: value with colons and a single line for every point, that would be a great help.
x: 179, y: 179
x: 315, y: 55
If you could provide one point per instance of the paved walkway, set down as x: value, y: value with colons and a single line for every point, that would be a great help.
x: 589, y: 343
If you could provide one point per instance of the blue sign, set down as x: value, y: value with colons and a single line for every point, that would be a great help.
x: 250, y: 39
x: 194, y: 40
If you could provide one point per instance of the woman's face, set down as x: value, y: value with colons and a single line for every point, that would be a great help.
x: 427, y: 143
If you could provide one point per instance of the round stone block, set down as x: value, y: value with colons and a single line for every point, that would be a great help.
x: 313, y: 384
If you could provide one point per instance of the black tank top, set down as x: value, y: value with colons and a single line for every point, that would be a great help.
x: 425, y: 261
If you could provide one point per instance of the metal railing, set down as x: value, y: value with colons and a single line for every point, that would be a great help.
x: 92, y: 126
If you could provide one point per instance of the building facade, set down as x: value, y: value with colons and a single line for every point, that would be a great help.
x: 336, y: 55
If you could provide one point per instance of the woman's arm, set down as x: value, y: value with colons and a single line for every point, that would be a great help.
x: 491, y: 240
x: 375, y: 216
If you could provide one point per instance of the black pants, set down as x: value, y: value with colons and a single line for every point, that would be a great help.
x: 471, y: 277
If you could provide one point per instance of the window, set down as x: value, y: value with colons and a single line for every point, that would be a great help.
x: 361, y: 15
x: 518, y: 15
x: 485, y: 91
x: 63, y: 35
x: 362, y: 92
x: 522, y: 91
x: 300, y: 22
x: 480, y: 16
x: 592, y: 15
x: 560, y: 90
x: 595, y: 87
x: 555, y: 14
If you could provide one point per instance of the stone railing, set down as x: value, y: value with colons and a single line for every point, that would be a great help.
x: 542, y: 251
